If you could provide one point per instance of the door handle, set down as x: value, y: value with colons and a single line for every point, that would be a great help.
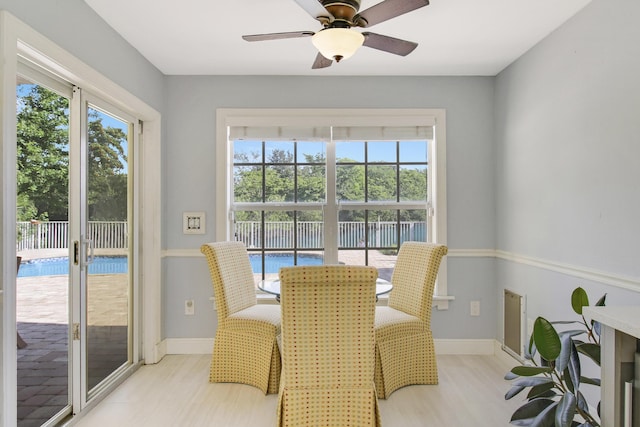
x: 87, y: 252
x: 90, y: 246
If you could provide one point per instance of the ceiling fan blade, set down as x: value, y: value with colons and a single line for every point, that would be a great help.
x: 315, y: 9
x: 388, y: 44
x: 321, y: 62
x: 385, y: 10
x: 277, y: 36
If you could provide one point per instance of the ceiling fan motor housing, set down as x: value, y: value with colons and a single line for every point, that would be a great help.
x: 343, y: 10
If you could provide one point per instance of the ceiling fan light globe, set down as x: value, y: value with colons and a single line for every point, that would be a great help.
x: 337, y: 43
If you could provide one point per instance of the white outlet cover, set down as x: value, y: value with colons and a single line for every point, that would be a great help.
x: 189, y: 307
x: 474, y: 308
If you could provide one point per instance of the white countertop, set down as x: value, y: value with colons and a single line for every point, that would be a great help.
x: 623, y: 318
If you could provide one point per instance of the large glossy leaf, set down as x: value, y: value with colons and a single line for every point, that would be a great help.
x: 546, y: 418
x: 582, y: 402
x: 510, y: 376
x: 513, y: 391
x: 532, y: 381
x: 542, y: 390
x: 592, y: 381
x: 591, y: 350
x: 529, y: 371
x: 572, y: 332
x: 565, y: 410
x: 546, y: 339
x: 527, y: 413
x: 566, y: 379
x: 574, y: 367
x: 565, y: 352
x: 601, y: 301
x: 579, y: 299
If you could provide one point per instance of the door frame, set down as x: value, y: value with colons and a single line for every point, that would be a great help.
x: 18, y: 39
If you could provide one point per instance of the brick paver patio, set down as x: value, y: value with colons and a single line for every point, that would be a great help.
x: 42, y: 320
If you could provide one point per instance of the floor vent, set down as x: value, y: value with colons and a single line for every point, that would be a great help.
x: 514, y: 321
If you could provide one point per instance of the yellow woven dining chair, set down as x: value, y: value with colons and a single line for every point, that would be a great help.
x: 405, y: 352
x: 245, y: 349
x: 328, y: 350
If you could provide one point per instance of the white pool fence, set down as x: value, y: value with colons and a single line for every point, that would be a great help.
x: 277, y: 234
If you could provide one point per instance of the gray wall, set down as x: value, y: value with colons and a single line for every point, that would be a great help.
x: 567, y: 141
x: 191, y: 164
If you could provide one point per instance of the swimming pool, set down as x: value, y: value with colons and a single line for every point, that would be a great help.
x: 273, y: 261
x: 60, y: 266
x: 118, y: 264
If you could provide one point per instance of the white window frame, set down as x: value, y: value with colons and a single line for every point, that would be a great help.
x: 231, y: 117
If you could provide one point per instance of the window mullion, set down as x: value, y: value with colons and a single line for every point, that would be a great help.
x: 331, y: 208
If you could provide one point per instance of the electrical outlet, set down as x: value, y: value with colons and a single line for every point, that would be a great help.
x: 474, y: 308
x: 189, y: 307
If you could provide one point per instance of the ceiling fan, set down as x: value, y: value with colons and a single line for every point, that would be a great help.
x: 337, y: 39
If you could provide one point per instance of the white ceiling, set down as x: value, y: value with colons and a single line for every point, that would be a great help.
x: 456, y: 37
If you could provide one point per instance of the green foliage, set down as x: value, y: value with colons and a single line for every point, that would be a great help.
x: 282, y: 183
x: 43, y: 160
x: 107, y: 189
x: 555, y: 398
x: 26, y: 209
x: 43, y: 157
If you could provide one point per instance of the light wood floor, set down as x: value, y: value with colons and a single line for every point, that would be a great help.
x: 176, y: 392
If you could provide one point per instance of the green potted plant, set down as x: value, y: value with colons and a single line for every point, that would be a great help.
x: 553, y: 372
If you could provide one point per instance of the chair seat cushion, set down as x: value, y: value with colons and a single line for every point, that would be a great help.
x: 390, y: 323
x: 261, y: 318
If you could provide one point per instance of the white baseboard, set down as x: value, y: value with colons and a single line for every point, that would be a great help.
x: 443, y: 346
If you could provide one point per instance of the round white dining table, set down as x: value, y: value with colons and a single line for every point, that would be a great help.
x: 273, y: 287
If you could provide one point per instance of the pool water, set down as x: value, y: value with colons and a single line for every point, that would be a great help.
x: 118, y: 264
x: 60, y: 266
x: 273, y: 262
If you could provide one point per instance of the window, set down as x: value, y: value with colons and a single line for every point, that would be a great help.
x: 325, y: 186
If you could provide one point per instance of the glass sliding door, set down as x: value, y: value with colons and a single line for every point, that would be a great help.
x: 43, y: 284
x: 74, y: 244
x: 108, y: 290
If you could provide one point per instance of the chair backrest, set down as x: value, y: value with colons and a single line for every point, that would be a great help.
x: 328, y: 315
x: 231, y: 276
x: 414, y: 278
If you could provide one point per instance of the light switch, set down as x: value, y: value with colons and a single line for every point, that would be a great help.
x: 193, y: 223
